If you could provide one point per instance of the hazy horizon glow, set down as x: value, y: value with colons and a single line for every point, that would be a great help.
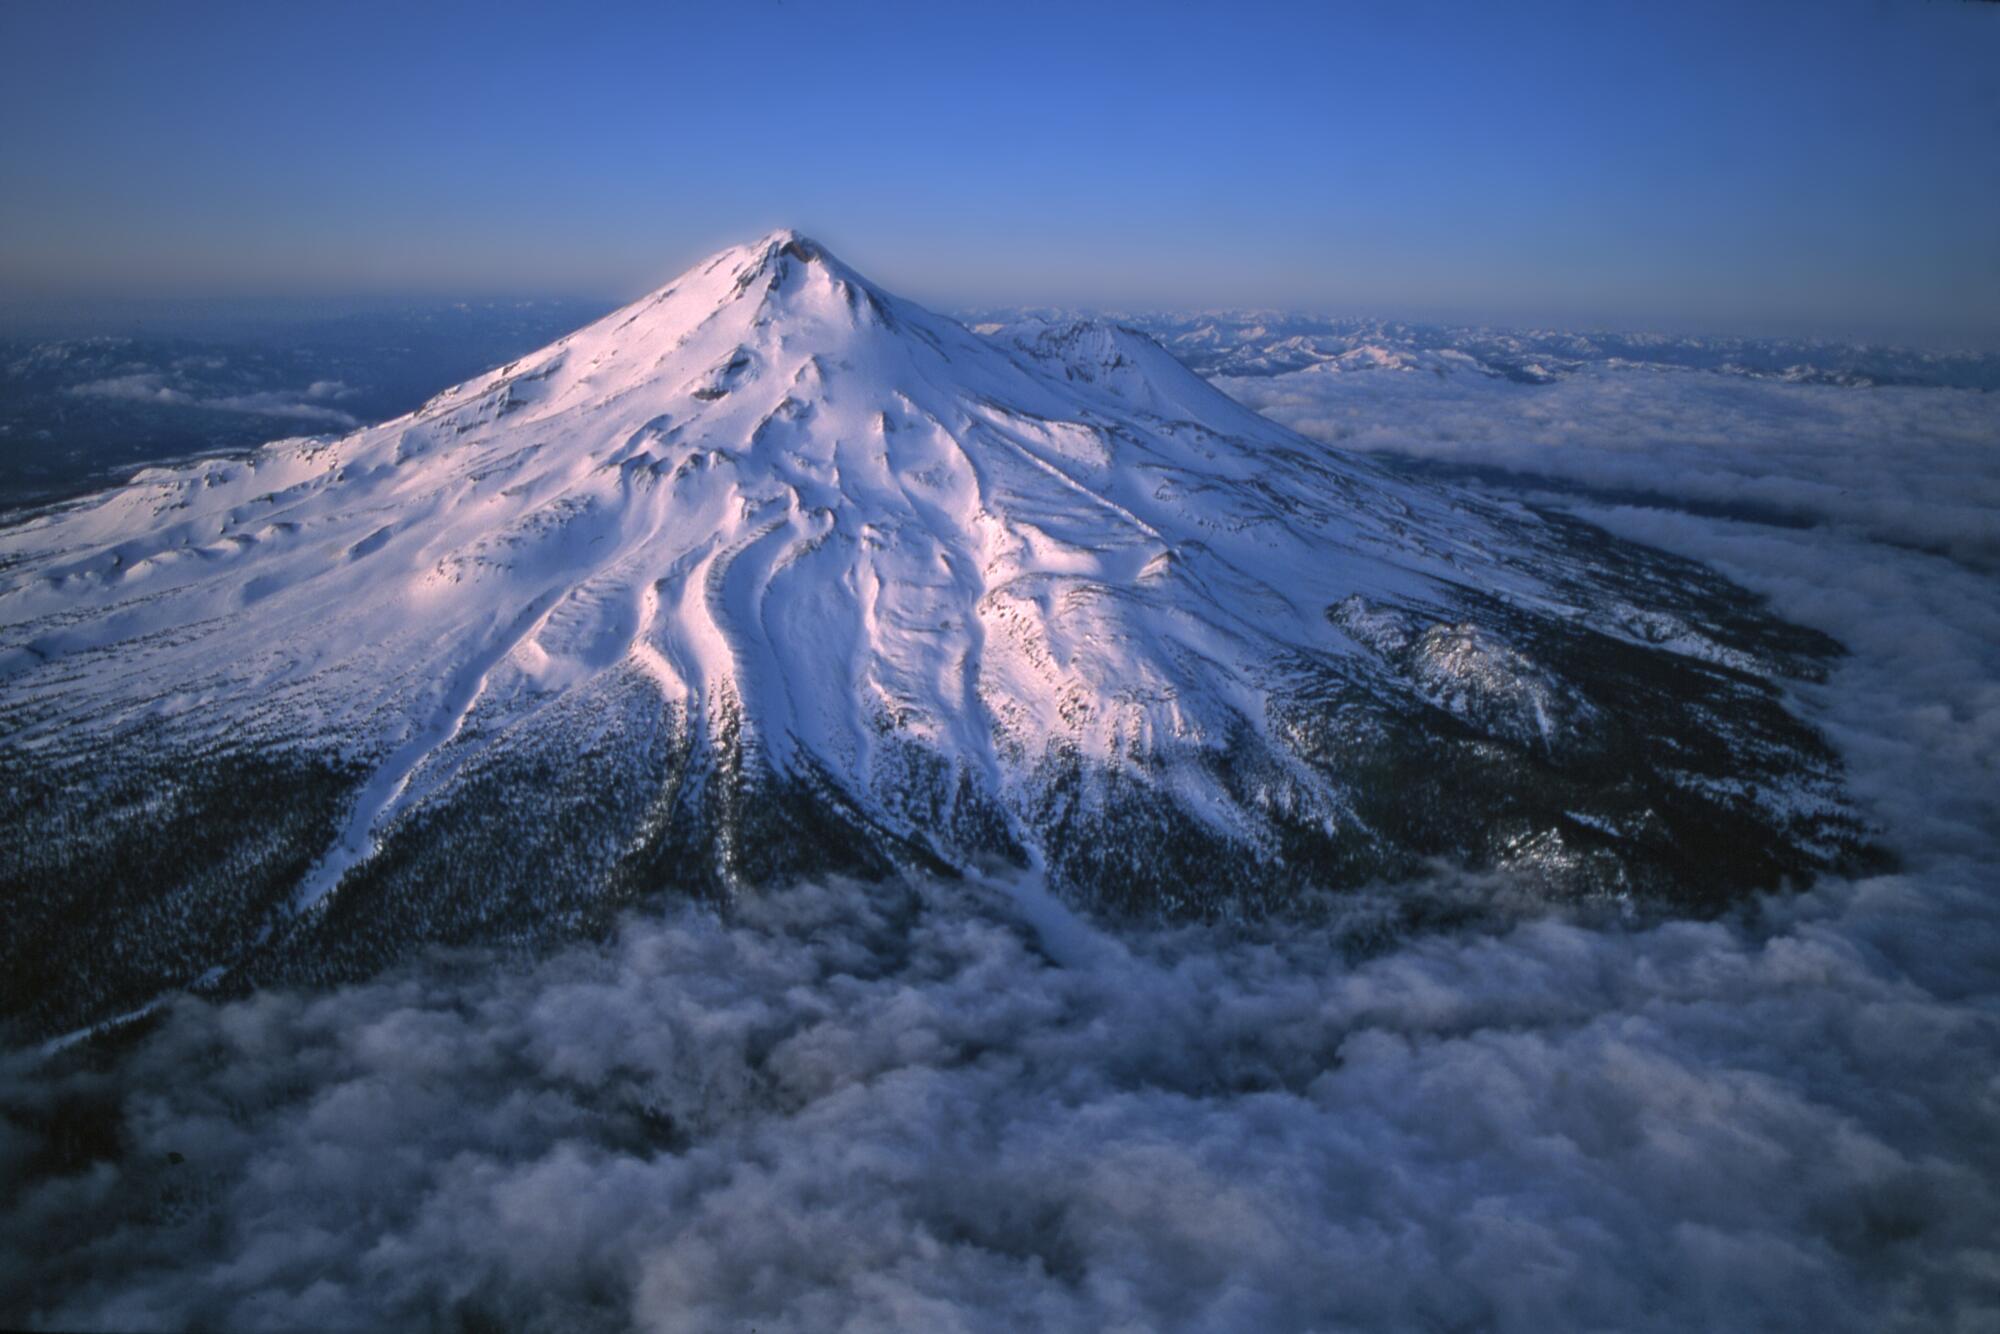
x: 1782, y: 167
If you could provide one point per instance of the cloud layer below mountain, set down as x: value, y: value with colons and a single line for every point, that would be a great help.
x: 958, y: 1107
x: 1899, y: 465
x: 171, y: 389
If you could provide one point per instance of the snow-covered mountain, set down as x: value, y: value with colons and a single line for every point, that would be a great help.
x: 770, y: 573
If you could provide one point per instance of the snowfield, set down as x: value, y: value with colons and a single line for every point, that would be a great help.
x: 771, y: 573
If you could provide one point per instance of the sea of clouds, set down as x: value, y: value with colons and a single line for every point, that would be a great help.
x: 1896, y: 464
x: 957, y: 1106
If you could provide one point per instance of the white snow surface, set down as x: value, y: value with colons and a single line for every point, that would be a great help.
x: 777, y: 493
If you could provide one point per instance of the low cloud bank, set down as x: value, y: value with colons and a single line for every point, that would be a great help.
x: 950, y: 1106
x: 176, y: 390
x: 1898, y: 465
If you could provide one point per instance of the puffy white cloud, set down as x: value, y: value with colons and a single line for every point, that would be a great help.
x: 868, y: 1106
x: 137, y: 387
x: 271, y: 403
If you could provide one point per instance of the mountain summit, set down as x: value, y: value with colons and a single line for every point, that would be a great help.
x: 772, y: 573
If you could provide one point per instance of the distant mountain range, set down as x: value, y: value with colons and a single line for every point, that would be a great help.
x: 1244, y: 344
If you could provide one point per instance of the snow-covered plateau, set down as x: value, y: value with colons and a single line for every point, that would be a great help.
x: 771, y: 573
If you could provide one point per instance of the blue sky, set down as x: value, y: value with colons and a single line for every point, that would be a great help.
x: 1832, y: 165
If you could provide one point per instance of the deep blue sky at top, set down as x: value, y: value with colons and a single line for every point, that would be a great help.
x: 1735, y: 164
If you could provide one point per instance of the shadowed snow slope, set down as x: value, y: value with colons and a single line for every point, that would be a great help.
x: 772, y: 573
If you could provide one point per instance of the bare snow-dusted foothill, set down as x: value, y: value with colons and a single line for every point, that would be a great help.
x: 770, y: 574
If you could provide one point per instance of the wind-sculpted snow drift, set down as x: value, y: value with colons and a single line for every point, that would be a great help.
x: 771, y: 573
